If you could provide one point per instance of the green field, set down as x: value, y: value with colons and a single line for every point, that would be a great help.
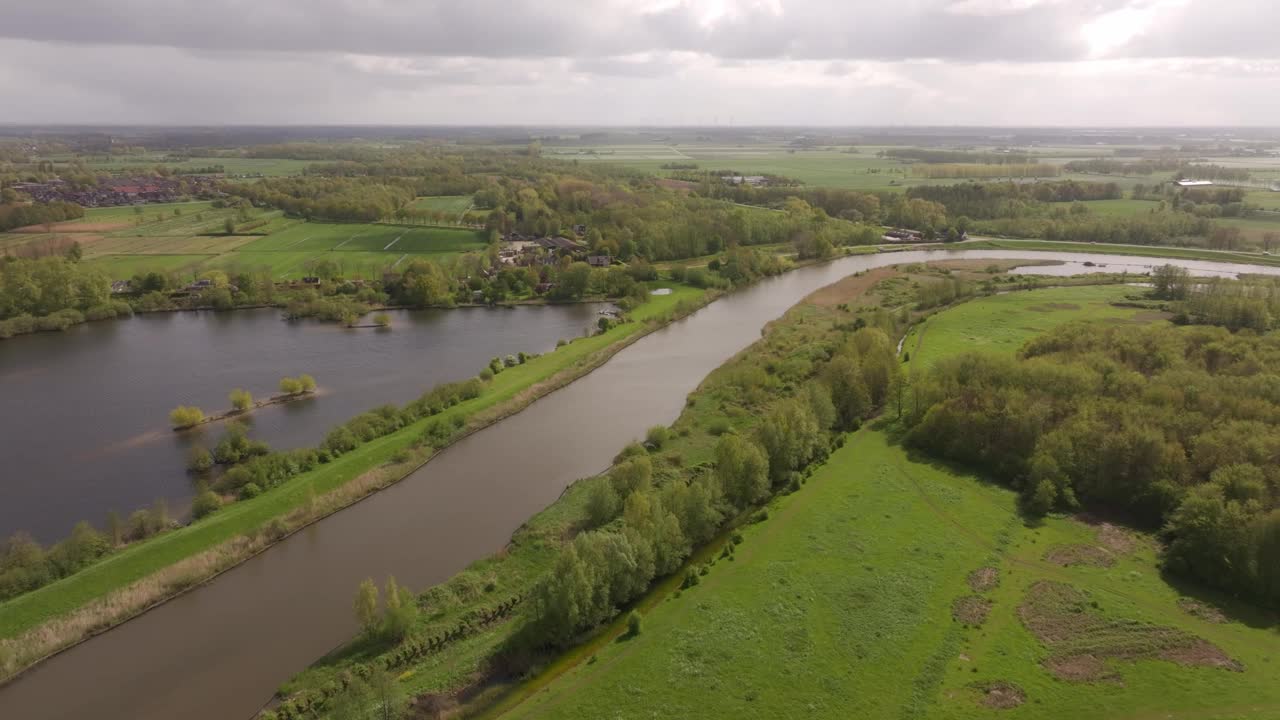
x: 1002, y: 323
x: 193, y: 242
x: 454, y: 204
x: 840, y: 605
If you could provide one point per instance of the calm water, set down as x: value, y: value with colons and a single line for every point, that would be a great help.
x: 220, y: 651
x: 83, y: 414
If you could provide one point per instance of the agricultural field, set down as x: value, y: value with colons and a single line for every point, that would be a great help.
x: 455, y: 204
x: 889, y: 588
x: 1002, y: 323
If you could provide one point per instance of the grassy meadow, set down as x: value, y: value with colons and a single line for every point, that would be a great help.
x: 1002, y: 323
x: 864, y: 594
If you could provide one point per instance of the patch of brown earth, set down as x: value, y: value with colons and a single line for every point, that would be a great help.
x: 1080, y: 668
x: 983, y: 265
x: 1067, y: 555
x: 1080, y: 638
x: 1206, y: 612
x: 1201, y: 654
x: 1000, y: 695
x: 1110, y: 536
x: 850, y: 288
x: 970, y: 610
x: 984, y: 579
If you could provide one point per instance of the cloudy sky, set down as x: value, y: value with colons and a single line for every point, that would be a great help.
x: 662, y: 62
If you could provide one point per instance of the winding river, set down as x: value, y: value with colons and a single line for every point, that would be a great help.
x: 221, y: 650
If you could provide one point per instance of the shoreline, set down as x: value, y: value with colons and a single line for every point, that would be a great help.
x: 231, y: 414
x: 227, y: 557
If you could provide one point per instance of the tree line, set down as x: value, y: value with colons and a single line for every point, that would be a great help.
x: 1175, y: 427
x: 806, y: 385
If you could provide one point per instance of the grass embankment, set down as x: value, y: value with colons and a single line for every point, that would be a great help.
x: 842, y: 604
x: 122, y: 585
x: 1108, y: 249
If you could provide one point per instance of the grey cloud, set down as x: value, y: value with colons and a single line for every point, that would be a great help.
x: 805, y: 29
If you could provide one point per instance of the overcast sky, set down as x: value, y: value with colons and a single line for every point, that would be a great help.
x: 626, y: 62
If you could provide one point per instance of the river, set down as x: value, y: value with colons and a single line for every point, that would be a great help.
x: 84, y: 413
x: 221, y: 650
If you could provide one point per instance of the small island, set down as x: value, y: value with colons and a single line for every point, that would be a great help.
x: 185, y: 417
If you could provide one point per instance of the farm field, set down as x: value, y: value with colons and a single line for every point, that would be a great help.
x: 1002, y: 323
x: 889, y: 588
x: 456, y: 204
x: 192, y: 242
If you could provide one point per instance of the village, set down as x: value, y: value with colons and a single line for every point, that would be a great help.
x: 125, y: 190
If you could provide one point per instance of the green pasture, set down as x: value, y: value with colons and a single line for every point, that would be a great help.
x: 1002, y: 323
x: 840, y: 605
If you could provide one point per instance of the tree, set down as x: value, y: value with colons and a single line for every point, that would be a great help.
x: 366, y: 606
x: 185, y: 416
x: 241, y: 400
x: 199, y: 459
x: 290, y: 386
x: 401, y: 610
x: 849, y: 391
x: 306, y: 383
x: 633, y: 475
x: 742, y: 471
x: 634, y: 622
x: 229, y: 226
x: 382, y: 320
x: 603, y: 502
x: 1171, y: 282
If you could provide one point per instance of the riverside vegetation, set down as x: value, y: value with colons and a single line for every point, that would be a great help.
x: 778, y: 580
x: 281, y: 491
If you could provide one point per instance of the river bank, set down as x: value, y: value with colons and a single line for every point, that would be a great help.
x: 41, y: 623
x: 461, y: 507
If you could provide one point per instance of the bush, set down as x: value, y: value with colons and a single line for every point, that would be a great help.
x: 511, y: 361
x: 250, y: 491
x: 307, y: 383
x: 184, y: 416
x: 719, y: 426
x: 241, y: 399
x: 199, y: 459
x: 486, y: 375
x: 657, y: 436
x: 205, y: 503
x: 633, y: 623
x: 382, y: 320
x: 290, y: 386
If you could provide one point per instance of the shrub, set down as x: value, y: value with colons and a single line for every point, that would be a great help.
x: 561, y: 343
x: 633, y: 623
x: 307, y: 383
x: 486, y: 375
x: 250, y: 491
x: 719, y: 426
x: 511, y: 361
x: 290, y: 386
x: 199, y: 459
x: 185, y: 416
x: 205, y: 503
x: 657, y: 436
x: 241, y: 399
x: 690, y: 579
x: 382, y: 320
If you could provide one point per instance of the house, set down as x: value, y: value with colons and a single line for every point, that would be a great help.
x: 119, y: 287
x: 599, y: 260
x: 752, y: 180
x: 1194, y: 183
x: 898, y: 235
x: 563, y: 244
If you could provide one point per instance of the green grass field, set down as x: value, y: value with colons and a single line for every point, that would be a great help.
x: 1002, y: 323
x: 192, y: 242
x: 143, y: 558
x: 840, y: 605
x: 455, y: 204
